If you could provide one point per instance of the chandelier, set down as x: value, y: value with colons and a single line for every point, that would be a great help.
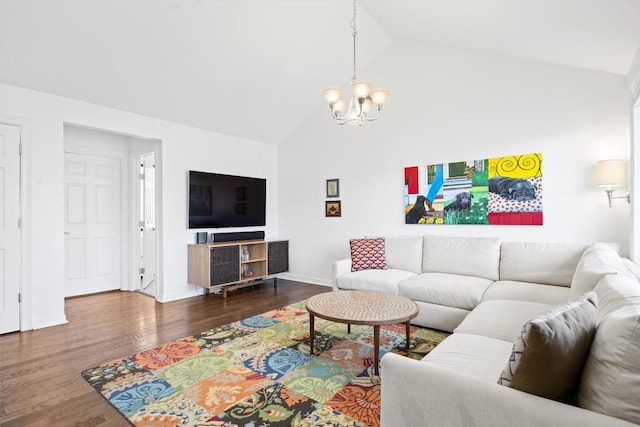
x: 365, y: 104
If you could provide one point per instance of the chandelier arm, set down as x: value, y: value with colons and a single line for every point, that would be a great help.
x: 339, y: 120
x: 370, y: 115
x: 346, y: 114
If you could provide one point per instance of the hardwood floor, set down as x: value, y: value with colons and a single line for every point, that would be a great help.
x: 40, y: 382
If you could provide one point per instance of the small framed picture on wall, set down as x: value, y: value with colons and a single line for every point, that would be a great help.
x: 333, y: 188
x: 332, y: 208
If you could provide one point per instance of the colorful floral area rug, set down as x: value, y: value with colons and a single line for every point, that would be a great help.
x: 258, y: 372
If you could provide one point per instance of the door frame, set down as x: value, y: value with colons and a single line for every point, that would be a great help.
x: 633, y: 78
x: 26, y: 311
x: 129, y: 174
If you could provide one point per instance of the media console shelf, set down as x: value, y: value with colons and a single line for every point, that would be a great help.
x: 233, y: 265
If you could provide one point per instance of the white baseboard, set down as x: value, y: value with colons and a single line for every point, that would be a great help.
x: 311, y: 280
x: 47, y: 323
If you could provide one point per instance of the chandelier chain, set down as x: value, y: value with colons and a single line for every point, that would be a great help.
x: 355, y: 33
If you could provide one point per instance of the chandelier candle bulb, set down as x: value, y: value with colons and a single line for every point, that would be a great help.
x: 332, y: 95
x: 361, y: 89
x: 379, y: 97
x: 340, y: 105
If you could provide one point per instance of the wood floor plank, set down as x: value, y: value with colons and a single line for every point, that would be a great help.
x: 40, y: 382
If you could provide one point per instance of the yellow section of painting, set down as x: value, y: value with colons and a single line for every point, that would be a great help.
x: 520, y: 166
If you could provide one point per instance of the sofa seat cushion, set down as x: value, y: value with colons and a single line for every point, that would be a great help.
x: 452, y: 290
x: 611, y: 375
x: 373, y: 280
x: 526, y: 291
x: 470, y: 256
x: 500, y: 319
x: 539, y: 262
x: 441, y: 317
x: 473, y: 355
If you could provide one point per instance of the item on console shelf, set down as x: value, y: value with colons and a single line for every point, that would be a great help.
x: 246, y: 271
x: 201, y: 237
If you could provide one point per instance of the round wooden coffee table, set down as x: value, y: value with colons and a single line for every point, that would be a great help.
x: 362, y: 308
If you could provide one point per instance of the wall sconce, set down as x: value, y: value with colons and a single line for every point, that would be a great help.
x: 610, y: 174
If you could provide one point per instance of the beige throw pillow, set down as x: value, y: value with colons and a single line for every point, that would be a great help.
x: 550, y: 352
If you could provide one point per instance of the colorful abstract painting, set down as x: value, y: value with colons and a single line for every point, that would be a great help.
x: 498, y: 191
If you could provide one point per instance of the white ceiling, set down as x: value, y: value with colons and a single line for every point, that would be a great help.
x: 255, y: 68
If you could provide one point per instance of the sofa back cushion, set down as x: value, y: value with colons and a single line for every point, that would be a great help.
x: 597, y: 261
x: 404, y: 253
x: 611, y: 375
x: 537, y: 262
x: 632, y: 266
x: 470, y: 256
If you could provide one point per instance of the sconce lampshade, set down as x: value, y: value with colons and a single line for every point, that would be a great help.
x: 610, y: 173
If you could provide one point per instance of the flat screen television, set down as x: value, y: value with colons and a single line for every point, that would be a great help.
x: 217, y: 201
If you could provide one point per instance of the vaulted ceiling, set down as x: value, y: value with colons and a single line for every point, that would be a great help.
x: 255, y: 68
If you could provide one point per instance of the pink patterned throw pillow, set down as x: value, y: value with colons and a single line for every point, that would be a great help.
x: 367, y: 254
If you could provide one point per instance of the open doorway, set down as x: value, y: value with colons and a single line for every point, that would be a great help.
x: 103, y: 182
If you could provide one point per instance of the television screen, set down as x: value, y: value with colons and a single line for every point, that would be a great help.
x: 217, y: 200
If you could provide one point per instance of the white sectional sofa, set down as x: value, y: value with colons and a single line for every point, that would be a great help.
x: 484, y: 291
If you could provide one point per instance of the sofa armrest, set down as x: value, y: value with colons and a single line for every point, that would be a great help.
x: 418, y: 393
x: 340, y: 267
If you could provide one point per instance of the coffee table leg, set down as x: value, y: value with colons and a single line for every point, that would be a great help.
x: 408, y: 334
x: 376, y: 347
x: 311, y: 333
x: 349, y: 328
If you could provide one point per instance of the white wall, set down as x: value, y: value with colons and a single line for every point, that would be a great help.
x: 182, y: 148
x: 446, y: 105
x: 451, y: 105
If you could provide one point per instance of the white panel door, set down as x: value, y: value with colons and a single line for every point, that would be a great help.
x: 92, y: 224
x: 9, y: 230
